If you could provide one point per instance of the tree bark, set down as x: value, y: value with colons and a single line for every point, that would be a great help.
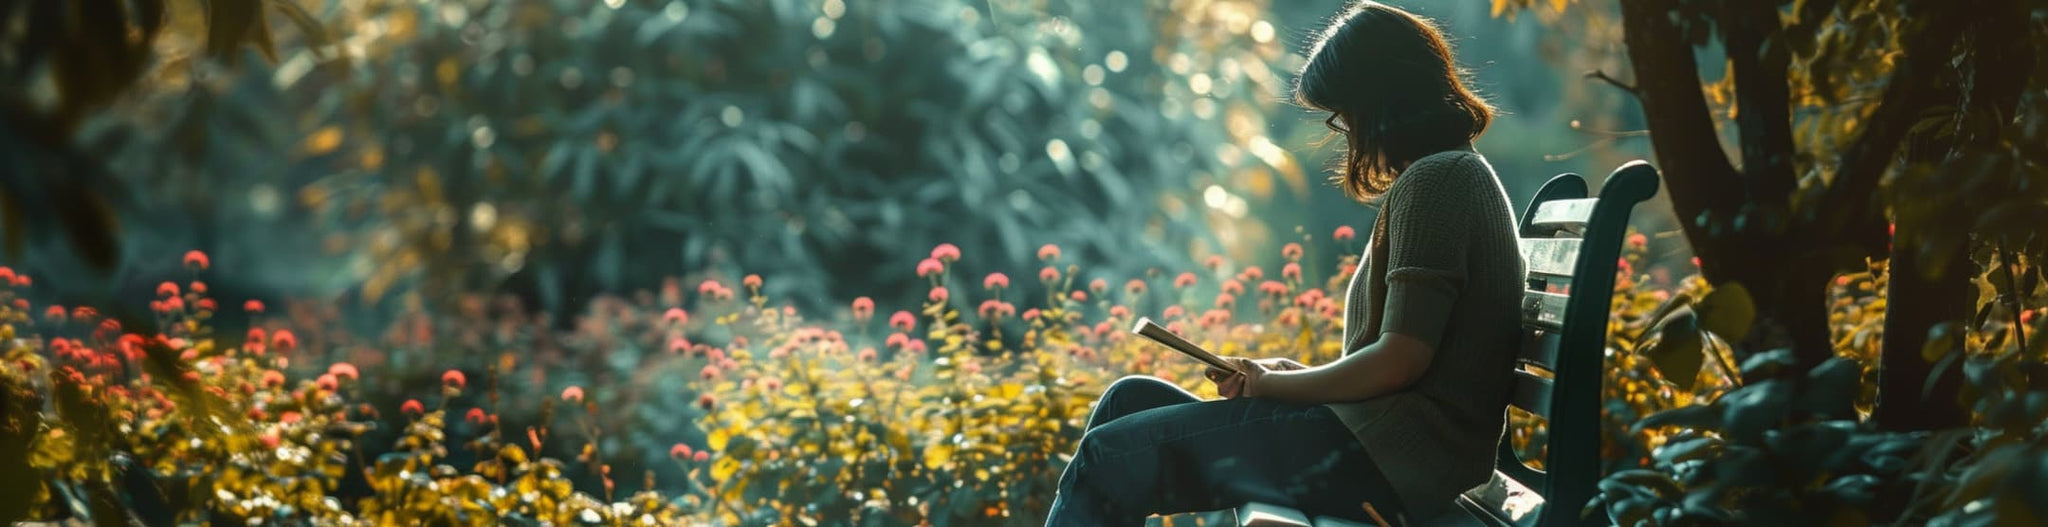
x: 1915, y: 303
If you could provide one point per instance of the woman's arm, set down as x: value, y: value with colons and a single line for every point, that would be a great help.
x: 1390, y: 364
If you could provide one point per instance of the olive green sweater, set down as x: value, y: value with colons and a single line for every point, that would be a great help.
x: 1443, y: 265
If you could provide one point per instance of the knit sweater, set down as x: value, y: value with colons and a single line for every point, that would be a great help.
x: 1443, y: 265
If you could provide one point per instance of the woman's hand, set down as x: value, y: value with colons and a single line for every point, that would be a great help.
x: 1231, y: 384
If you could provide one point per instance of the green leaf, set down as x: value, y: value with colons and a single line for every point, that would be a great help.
x: 1728, y: 311
x: 1680, y: 348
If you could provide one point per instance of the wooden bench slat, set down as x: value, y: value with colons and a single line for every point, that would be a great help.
x: 1551, y: 256
x: 1543, y: 310
x: 1566, y: 213
x: 1532, y: 393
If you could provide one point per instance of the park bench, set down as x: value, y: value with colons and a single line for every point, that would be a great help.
x: 1572, y: 243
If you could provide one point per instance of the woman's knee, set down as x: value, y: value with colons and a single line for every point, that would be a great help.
x: 1140, y: 388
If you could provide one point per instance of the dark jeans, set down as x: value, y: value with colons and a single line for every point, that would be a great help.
x: 1153, y: 448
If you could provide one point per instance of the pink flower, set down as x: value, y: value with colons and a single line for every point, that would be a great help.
x: 679, y: 451
x: 1225, y: 300
x: 1048, y: 275
x: 1252, y: 273
x: 1291, y: 251
x: 253, y: 306
x: 995, y: 281
x: 412, y: 407
x: 55, y: 314
x: 705, y: 401
x: 914, y: 346
x: 703, y: 456
x: 1031, y: 314
x: 863, y: 308
x: 1078, y: 295
x: 774, y: 384
x: 207, y: 305
x: 174, y: 305
x: 938, y: 294
x: 714, y: 355
x: 454, y: 379
x: 946, y: 252
x: 929, y: 267
x: 1272, y: 288
x: 1098, y: 286
x: 343, y: 369
x: 678, y: 345
x: 903, y: 374
x: 327, y: 382
x: 289, y: 417
x: 1233, y: 287
x: 196, y: 260
x: 284, y: 340
x: 1291, y: 271
x: 723, y: 293
x: 1176, y: 327
x: 573, y: 394
x: 1119, y: 312
x: 995, y: 309
x: 1184, y: 280
x: 709, y: 372
x: 476, y: 416
x: 675, y: 316
x: 1213, y: 262
x: 1135, y: 286
x: 167, y: 290
x: 902, y: 321
x: 867, y: 354
x: 1344, y: 233
x: 1049, y: 252
x: 752, y: 281
x: 1637, y: 240
x: 1171, y: 312
x: 198, y: 287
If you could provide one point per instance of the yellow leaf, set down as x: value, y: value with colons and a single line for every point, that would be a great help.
x: 716, y: 440
x: 724, y: 468
x: 323, y: 141
x: 937, y: 455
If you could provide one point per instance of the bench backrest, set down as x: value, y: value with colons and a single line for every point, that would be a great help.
x: 1571, y: 243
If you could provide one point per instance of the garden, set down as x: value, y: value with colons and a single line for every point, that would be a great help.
x: 840, y: 262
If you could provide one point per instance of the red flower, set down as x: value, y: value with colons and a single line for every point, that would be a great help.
x: 863, y: 308
x: 1841, y: 281
x: 702, y: 456
x: 774, y: 384
x: 1049, y: 252
x: 1695, y: 261
x: 1184, y: 280
x: 476, y: 416
x: 1637, y: 240
x: 7, y: 275
x: 929, y: 267
x: 1135, y: 286
x: 1291, y: 271
x: 253, y: 306
x: 167, y: 289
x: 1048, y: 275
x: 902, y: 321
x: 946, y: 252
x: 198, y: 287
x: 573, y: 394
x: 284, y: 340
x: 1344, y: 233
x: 23, y: 281
x: 84, y: 313
x: 675, y: 316
x: 679, y: 451
x: 174, y: 305
x: 327, y: 382
x: 1291, y: 251
x: 412, y: 407
x: 207, y: 305
x: 454, y: 379
x: 996, y: 281
x: 752, y: 281
x: 196, y: 260
x: 705, y: 401
x: 55, y: 314
x: 710, y: 288
x: 1078, y: 295
x: 289, y: 417
x: 938, y: 294
x: 1031, y: 314
x: 343, y: 369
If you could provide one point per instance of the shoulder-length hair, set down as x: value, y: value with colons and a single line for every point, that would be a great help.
x: 1392, y: 89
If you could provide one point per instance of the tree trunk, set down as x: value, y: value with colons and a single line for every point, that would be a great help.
x: 1915, y: 302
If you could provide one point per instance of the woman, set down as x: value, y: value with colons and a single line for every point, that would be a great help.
x: 1411, y: 415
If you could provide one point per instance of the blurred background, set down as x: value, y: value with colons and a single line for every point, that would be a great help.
x: 391, y: 156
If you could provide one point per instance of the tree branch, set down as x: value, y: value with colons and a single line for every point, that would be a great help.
x: 1688, y: 148
x: 1851, y: 207
x: 1760, y: 60
x: 1602, y: 76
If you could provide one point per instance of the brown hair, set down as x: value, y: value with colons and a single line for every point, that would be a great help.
x: 1393, y: 91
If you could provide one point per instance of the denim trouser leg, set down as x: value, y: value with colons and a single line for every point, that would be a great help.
x: 1153, y: 448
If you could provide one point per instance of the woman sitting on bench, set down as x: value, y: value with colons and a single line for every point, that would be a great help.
x: 1411, y: 415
